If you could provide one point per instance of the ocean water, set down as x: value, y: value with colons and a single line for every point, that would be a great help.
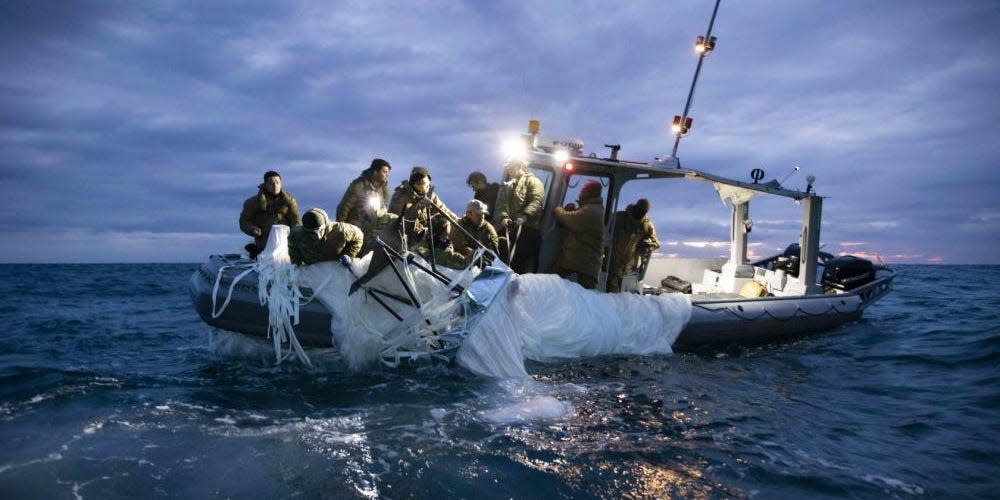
x: 112, y: 387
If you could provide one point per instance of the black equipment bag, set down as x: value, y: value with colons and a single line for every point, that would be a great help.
x: 676, y: 284
x: 847, y: 272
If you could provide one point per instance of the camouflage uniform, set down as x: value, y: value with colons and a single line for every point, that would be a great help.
x: 624, y: 251
x: 264, y: 210
x: 489, y: 195
x: 521, y: 198
x: 406, y: 203
x: 336, y: 239
x: 355, y: 205
x: 444, y: 254
x: 484, y: 233
x: 372, y: 225
x: 582, y: 242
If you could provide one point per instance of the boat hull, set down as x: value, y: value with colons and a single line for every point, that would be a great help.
x: 245, y: 314
x: 715, y: 323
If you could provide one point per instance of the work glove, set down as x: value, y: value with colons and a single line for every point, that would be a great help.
x: 644, y: 246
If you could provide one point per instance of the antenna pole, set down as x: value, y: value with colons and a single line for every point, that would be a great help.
x: 697, y: 71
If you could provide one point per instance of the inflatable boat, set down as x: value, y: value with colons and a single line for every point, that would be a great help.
x: 415, y: 310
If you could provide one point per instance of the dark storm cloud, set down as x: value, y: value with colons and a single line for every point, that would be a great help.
x: 133, y: 131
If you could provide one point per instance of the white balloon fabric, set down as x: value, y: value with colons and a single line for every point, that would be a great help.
x: 543, y: 317
x: 536, y: 316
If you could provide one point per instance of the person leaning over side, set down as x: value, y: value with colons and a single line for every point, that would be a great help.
x: 583, y: 237
x: 271, y: 205
x: 411, y: 199
x: 519, y: 213
x: 318, y: 239
x: 484, y: 191
x: 474, y: 223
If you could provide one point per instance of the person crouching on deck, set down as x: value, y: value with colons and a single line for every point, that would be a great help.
x: 443, y: 253
x: 474, y: 223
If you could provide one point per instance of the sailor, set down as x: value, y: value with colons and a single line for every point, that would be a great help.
x: 634, y: 236
x: 582, y: 242
x: 271, y: 205
x: 318, y: 239
x: 413, y: 201
x: 518, y: 214
x: 366, y: 194
x: 444, y: 253
x: 372, y: 225
x: 484, y: 191
x: 474, y: 223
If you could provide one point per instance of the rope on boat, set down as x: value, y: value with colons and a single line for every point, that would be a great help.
x: 232, y: 286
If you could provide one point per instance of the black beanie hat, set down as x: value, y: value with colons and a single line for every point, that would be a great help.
x: 640, y: 209
x: 418, y: 173
x: 314, y: 219
x: 379, y: 163
x: 310, y: 221
x: 590, y: 190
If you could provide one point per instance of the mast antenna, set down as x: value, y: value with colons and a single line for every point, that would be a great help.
x: 703, y: 45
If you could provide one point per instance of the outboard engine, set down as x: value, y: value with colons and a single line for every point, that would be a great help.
x: 789, y: 260
x: 787, y: 263
x: 847, y: 273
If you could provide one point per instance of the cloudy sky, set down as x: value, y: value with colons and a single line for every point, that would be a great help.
x: 133, y: 131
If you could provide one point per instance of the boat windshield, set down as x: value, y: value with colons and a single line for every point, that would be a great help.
x: 545, y: 175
